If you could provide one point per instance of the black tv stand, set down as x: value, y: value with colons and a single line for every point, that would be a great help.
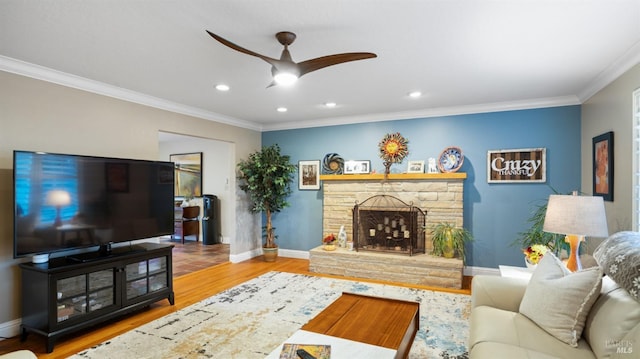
x: 62, y: 296
x: 105, y: 251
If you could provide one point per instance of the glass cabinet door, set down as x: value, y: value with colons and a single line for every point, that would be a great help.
x: 146, y: 276
x: 84, y: 293
x: 71, y: 296
x: 101, y: 293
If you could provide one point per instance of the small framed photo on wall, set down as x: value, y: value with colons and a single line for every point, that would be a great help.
x: 603, y: 166
x: 309, y: 175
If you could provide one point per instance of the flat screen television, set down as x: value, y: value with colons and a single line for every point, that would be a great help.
x: 64, y: 202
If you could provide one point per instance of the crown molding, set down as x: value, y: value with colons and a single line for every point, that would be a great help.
x: 429, y: 112
x: 630, y: 59
x: 7, y: 64
x: 38, y: 72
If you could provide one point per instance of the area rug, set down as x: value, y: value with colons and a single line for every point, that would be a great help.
x: 253, y: 318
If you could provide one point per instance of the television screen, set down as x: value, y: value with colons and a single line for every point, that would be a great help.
x: 64, y: 202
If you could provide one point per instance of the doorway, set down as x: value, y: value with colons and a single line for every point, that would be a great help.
x: 218, y: 179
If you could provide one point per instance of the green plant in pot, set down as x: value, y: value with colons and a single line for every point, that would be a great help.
x: 266, y: 177
x: 449, y: 240
x: 535, y: 235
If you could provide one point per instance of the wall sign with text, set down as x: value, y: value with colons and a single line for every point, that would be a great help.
x: 518, y: 165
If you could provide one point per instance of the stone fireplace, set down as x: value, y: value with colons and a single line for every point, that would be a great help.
x: 437, y: 196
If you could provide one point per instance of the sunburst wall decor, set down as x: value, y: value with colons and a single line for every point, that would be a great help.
x: 393, y: 149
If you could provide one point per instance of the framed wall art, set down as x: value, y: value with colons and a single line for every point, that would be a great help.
x: 309, y: 175
x: 357, y: 167
x: 524, y: 165
x: 603, y: 166
x: 188, y: 174
x: 415, y: 167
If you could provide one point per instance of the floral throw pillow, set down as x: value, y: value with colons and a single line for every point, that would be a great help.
x: 619, y: 258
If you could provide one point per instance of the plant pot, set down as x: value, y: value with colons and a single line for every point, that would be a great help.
x: 329, y: 247
x: 530, y: 266
x: 448, y: 251
x: 270, y: 254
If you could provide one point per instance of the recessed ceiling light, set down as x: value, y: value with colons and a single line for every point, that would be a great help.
x: 222, y: 87
x: 415, y: 94
x: 330, y: 104
x: 282, y: 109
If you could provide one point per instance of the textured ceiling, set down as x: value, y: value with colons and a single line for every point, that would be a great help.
x: 465, y: 56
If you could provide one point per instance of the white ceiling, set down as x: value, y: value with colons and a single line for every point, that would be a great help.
x: 465, y: 56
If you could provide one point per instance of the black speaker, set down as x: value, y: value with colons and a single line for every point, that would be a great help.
x: 210, y: 220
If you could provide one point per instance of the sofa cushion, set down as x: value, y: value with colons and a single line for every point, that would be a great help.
x: 619, y: 257
x: 490, y: 350
x: 558, y: 300
x: 498, y: 292
x: 506, y: 331
x: 611, y: 322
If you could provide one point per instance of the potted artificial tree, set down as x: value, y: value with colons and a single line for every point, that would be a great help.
x: 266, y: 177
x: 449, y: 240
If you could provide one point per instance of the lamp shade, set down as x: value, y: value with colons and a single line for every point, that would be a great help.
x: 577, y: 215
x: 58, y: 198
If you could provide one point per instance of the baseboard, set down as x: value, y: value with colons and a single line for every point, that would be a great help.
x: 291, y: 253
x: 237, y: 258
x: 10, y: 329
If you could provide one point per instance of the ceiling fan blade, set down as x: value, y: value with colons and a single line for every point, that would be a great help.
x: 230, y: 44
x: 324, y: 61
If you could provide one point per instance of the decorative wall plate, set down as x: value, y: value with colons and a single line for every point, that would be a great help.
x: 450, y: 159
x: 332, y: 164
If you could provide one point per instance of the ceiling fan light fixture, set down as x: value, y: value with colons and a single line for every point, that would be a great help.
x: 415, y: 94
x: 330, y: 104
x: 281, y: 109
x: 285, y: 78
x: 222, y: 87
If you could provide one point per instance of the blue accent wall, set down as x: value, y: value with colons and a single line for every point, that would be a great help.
x: 494, y: 213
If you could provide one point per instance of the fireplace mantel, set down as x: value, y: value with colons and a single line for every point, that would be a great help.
x: 396, y: 177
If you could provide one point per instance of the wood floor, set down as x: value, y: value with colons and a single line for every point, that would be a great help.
x: 189, y: 289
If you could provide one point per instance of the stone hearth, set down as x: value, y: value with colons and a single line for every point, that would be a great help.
x: 420, y: 269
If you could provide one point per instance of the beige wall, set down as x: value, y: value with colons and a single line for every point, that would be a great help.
x: 611, y: 110
x: 36, y: 115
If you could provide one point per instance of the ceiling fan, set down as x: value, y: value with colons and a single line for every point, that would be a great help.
x: 284, y: 70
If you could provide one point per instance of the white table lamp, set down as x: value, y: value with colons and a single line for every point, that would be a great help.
x: 576, y: 217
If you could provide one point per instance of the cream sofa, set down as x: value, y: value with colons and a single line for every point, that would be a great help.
x: 499, y: 329
x: 19, y: 354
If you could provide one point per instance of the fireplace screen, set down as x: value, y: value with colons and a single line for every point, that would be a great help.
x: 387, y: 224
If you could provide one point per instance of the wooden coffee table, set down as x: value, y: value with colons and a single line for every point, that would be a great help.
x: 382, y: 322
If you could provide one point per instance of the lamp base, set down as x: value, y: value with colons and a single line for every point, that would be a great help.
x: 573, y: 263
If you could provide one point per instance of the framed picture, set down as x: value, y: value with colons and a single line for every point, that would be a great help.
x: 188, y: 174
x: 603, y: 166
x: 524, y: 165
x: 357, y: 167
x: 415, y: 167
x: 117, y: 177
x: 309, y: 175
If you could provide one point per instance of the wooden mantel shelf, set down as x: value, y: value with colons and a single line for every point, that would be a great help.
x: 395, y: 177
